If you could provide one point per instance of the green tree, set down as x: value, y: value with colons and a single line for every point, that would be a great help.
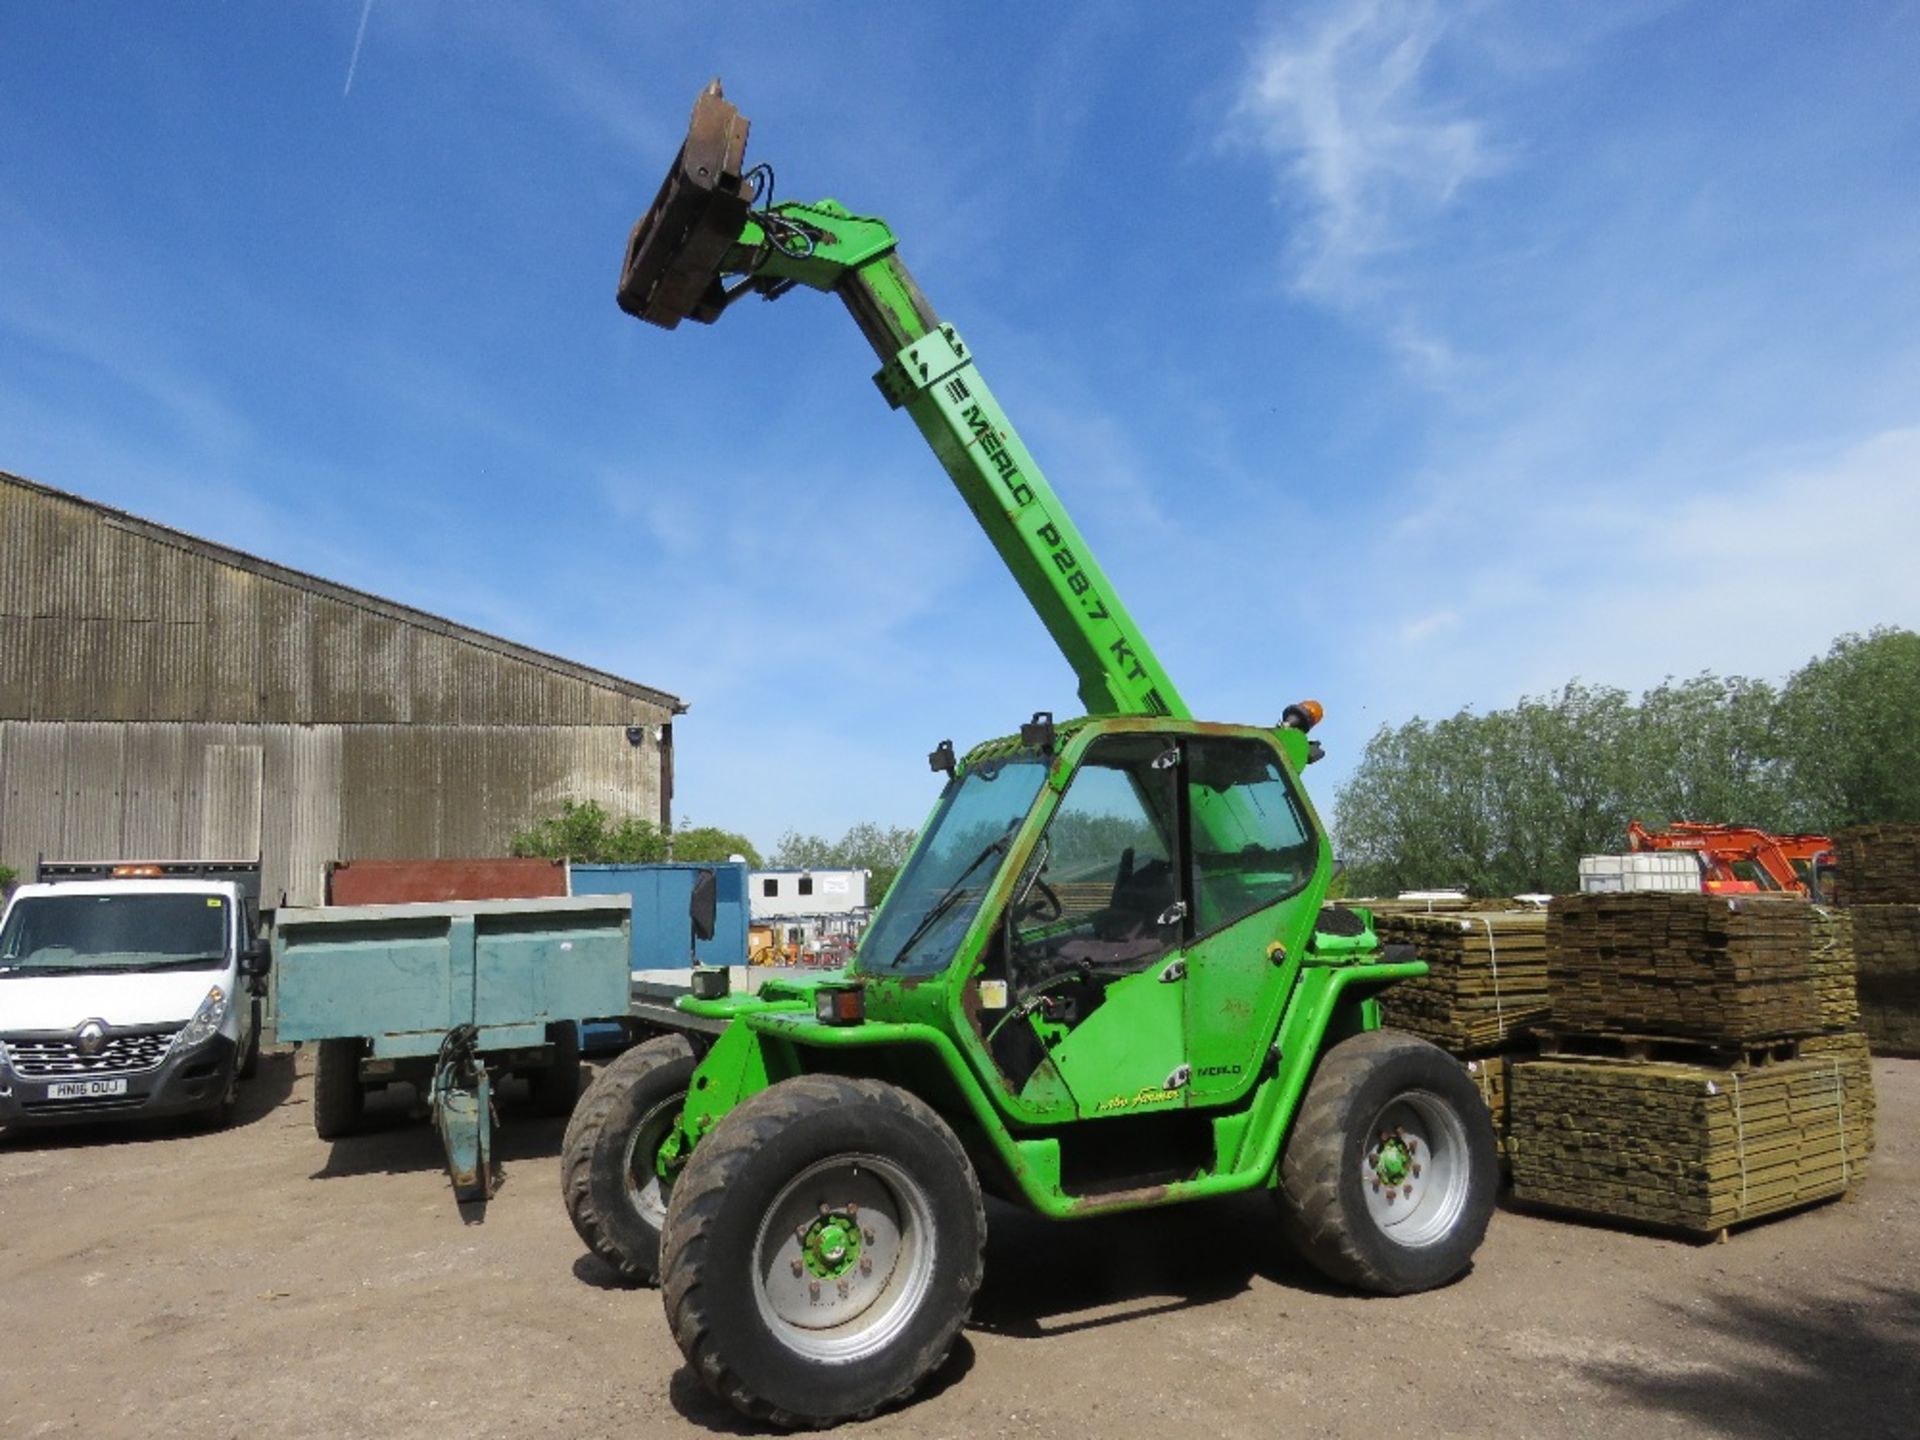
x: 1847, y: 733
x: 710, y: 845
x: 584, y: 831
x: 879, y: 849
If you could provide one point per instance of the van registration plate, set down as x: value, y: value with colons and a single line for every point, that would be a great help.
x: 85, y: 1089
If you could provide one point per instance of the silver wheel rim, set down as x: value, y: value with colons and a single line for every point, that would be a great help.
x: 647, y: 1193
x: 1414, y: 1170
x: 844, y: 1258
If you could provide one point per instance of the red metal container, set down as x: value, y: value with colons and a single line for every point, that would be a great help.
x: 407, y: 882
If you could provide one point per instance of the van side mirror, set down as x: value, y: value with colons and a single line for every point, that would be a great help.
x: 700, y: 910
x: 256, y: 958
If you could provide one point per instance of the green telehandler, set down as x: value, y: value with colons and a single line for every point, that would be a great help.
x: 1103, y: 980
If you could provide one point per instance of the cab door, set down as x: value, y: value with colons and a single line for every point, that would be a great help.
x: 1094, y: 936
x: 1251, y: 865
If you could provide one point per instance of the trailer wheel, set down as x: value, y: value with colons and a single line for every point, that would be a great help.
x: 823, y: 1249
x: 338, y: 1098
x: 1389, y: 1177
x: 556, y: 1086
x: 614, y: 1196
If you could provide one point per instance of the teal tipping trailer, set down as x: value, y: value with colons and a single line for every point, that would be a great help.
x: 450, y: 997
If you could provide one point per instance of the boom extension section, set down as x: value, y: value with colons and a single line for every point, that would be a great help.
x: 713, y: 219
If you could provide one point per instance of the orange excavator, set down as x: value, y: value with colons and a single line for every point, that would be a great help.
x: 1739, y: 859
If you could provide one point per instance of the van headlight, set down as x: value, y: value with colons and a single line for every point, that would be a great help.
x: 206, y: 1020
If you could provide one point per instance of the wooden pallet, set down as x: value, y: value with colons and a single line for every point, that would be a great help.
x: 1672, y: 1049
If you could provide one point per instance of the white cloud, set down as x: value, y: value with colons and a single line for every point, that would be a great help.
x: 1364, y: 146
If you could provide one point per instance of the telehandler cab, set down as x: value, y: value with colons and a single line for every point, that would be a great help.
x: 1103, y: 980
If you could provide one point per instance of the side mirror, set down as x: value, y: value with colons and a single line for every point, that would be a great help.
x: 256, y: 958
x: 706, y: 890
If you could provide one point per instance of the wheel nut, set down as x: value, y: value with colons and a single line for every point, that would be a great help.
x: 866, y: 1265
x: 867, y: 1235
x: 1416, y: 1171
x: 796, y: 1269
x: 842, y: 1288
x: 813, y: 1289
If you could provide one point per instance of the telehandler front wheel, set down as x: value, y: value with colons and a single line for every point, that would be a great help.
x: 613, y: 1192
x: 1389, y: 1177
x: 823, y: 1249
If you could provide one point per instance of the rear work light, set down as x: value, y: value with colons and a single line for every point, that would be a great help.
x: 711, y: 982
x: 842, y: 1005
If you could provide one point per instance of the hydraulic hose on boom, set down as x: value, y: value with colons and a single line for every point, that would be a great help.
x: 714, y: 219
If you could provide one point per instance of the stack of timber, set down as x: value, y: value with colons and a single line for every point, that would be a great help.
x: 1851, y: 1049
x: 1729, y: 969
x: 1489, y: 1074
x: 1834, y: 983
x: 1688, y: 1147
x: 1886, y: 945
x: 1879, y: 864
x: 1486, y: 978
x: 1429, y: 905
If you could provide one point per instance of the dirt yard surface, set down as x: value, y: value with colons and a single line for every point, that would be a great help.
x: 264, y: 1283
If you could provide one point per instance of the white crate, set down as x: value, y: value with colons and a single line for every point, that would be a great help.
x: 1677, y: 871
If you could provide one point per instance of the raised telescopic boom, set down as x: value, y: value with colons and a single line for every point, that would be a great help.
x: 704, y: 227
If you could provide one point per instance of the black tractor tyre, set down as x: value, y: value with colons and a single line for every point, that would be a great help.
x: 250, y: 1061
x: 773, y: 1313
x: 555, y: 1087
x: 1390, y: 1174
x: 613, y: 1197
x: 338, y: 1098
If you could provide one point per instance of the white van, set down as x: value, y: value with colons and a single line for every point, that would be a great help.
x: 127, y: 997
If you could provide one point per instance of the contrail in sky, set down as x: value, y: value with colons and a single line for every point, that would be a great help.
x: 359, y: 35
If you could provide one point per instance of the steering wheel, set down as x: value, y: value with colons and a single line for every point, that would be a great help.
x: 1044, y: 907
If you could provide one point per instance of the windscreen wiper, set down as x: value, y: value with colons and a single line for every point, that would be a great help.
x: 183, y: 962
x: 947, y: 899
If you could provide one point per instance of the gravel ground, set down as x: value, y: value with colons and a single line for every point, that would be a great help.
x: 261, y: 1282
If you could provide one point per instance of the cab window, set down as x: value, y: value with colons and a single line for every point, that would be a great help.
x: 1251, y: 842
x: 1102, y: 889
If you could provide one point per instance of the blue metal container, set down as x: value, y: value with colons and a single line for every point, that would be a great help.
x: 661, y: 893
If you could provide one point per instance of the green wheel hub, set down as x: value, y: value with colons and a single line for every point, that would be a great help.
x: 1393, y: 1161
x: 831, y: 1246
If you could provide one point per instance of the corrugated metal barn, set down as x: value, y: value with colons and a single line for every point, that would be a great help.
x: 165, y: 697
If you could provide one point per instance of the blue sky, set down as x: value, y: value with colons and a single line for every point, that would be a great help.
x: 1406, y: 356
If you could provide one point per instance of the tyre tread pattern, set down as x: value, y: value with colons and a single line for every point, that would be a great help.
x: 696, y: 1199
x: 337, y: 1099
x: 589, y: 1119
x: 1320, y: 1227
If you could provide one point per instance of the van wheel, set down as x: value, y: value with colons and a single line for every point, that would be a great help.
x: 219, y: 1115
x: 250, y: 1062
x: 338, y: 1098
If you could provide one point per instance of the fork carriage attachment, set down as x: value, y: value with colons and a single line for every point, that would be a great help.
x: 678, y: 248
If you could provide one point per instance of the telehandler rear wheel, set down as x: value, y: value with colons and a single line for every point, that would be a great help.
x: 614, y: 1195
x: 823, y: 1250
x: 1389, y: 1177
